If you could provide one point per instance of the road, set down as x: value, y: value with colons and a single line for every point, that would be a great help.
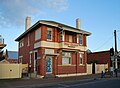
x: 98, y: 83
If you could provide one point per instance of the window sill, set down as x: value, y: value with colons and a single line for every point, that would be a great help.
x: 49, y: 39
x: 81, y: 64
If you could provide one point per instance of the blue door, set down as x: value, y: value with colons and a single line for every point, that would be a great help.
x: 48, y: 65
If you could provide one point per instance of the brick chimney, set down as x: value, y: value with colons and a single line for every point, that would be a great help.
x: 78, y: 23
x: 27, y: 23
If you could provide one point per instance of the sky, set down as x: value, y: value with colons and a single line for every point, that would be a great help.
x: 99, y: 17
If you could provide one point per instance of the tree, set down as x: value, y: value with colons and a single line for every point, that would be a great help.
x: 89, y: 51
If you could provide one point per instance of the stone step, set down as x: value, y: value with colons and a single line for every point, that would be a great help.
x: 50, y: 76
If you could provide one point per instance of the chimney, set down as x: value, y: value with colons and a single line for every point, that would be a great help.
x: 27, y: 23
x: 78, y: 23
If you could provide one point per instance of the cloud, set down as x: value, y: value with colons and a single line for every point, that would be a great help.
x: 13, y: 12
x: 58, y: 5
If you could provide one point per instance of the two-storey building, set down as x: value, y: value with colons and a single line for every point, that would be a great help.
x: 51, y: 47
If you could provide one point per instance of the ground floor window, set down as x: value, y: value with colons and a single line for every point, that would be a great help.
x: 66, y: 58
x: 81, y: 58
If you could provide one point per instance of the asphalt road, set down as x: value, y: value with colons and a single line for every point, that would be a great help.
x: 98, y: 83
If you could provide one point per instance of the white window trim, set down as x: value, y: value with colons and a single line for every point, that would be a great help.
x: 70, y: 38
x: 63, y: 34
x: 21, y: 43
x: 28, y: 40
x: 77, y: 39
x: 67, y: 57
x: 35, y: 60
x: 82, y: 59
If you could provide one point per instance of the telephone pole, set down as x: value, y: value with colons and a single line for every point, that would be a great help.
x: 116, y: 65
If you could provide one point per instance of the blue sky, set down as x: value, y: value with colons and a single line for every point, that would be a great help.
x: 100, y: 17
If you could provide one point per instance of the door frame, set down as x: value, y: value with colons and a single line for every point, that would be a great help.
x: 51, y: 64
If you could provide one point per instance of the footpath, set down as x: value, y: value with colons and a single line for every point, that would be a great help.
x: 21, y: 83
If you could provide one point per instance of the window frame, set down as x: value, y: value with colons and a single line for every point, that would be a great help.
x: 81, y: 59
x: 81, y: 39
x: 64, y: 56
x: 28, y: 40
x: 49, y: 29
x: 70, y: 38
x: 38, y: 34
x: 21, y: 43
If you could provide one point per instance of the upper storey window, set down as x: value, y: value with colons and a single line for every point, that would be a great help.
x: 70, y: 38
x: 38, y: 34
x: 81, y: 40
x: 21, y: 43
x: 61, y: 37
x: 49, y: 33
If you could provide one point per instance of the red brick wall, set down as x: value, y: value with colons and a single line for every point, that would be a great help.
x: 84, y: 40
x: 102, y: 57
x: 43, y: 32
x: 41, y: 63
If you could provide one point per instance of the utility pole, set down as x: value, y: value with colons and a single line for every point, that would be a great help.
x: 116, y: 65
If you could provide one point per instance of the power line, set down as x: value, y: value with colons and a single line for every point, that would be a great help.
x: 118, y: 38
x: 102, y: 45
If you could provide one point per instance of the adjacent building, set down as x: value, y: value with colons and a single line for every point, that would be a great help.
x: 54, y: 48
x: 101, y: 57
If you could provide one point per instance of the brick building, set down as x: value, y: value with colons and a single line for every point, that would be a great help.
x: 101, y: 57
x: 51, y: 47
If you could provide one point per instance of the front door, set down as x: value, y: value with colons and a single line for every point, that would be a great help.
x: 48, y: 65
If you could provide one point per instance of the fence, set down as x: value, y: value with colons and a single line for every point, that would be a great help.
x: 101, y: 67
x: 8, y: 71
x: 89, y: 68
x: 97, y: 68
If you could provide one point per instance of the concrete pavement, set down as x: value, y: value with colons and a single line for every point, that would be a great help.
x: 25, y: 83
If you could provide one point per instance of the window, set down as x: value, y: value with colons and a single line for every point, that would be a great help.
x: 38, y: 34
x: 70, y: 38
x: 66, y: 58
x: 81, y: 58
x: 21, y: 43
x: 77, y: 39
x: 81, y: 40
x: 61, y: 37
x: 28, y: 40
x: 49, y: 34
